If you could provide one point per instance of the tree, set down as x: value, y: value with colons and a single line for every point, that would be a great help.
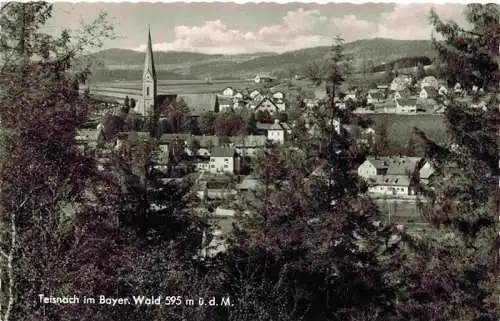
x: 458, y: 260
x: 469, y: 56
x: 42, y: 199
x: 263, y: 116
x: 207, y: 123
x: 410, y: 147
x: 252, y: 125
x: 420, y: 71
x: 126, y: 102
x: 389, y: 74
x: 382, y: 145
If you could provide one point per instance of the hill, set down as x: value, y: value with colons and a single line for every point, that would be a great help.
x: 198, y: 65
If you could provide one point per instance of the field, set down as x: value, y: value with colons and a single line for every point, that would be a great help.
x: 172, y: 86
x: 400, y: 127
x: 401, y: 211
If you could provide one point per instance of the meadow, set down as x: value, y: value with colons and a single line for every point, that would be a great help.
x: 174, y: 86
x: 401, y: 127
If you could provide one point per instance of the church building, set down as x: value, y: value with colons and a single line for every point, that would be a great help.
x: 146, y: 107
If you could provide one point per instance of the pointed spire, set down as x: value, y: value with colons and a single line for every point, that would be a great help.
x: 149, y: 65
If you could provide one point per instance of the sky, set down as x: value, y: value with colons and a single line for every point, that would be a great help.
x: 231, y: 28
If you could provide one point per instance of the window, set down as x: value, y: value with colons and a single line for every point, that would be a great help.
x: 226, y: 166
x: 147, y: 91
x: 226, y: 160
x: 213, y: 166
x: 212, y: 160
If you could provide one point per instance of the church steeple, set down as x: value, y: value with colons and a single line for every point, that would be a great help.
x: 149, y: 64
x: 148, y: 81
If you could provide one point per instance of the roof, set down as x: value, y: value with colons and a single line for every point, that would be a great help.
x: 399, y: 83
x: 407, y: 102
x: 426, y: 171
x: 200, y: 104
x: 430, y: 81
x: 168, y: 138
x: 249, y: 141
x: 379, y: 162
x: 149, y: 65
x: 431, y: 91
x: 263, y: 126
x: 266, y: 99
x: 389, y: 180
x: 374, y: 93
x: 402, y: 165
x: 207, y: 141
x: 405, y: 93
x: 222, y: 152
x: 87, y: 134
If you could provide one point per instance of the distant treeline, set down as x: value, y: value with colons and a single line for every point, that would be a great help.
x: 107, y: 75
x: 406, y: 62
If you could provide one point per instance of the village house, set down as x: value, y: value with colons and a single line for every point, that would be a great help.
x: 278, y: 95
x: 238, y: 95
x: 457, y: 89
x: 228, y: 92
x: 400, y: 83
x: 88, y: 139
x: 406, y: 105
x: 426, y: 172
x: 280, y: 103
x: 442, y: 91
x: 310, y: 103
x: 224, y: 160
x: 429, y: 81
x: 255, y: 94
x: 277, y: 132
x: 248, y: 146
x: 428, y: 92
x: 264, y: 79
x: 388, y: 165
x: 225, y: 103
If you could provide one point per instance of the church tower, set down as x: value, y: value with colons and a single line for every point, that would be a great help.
x: 148, y: 82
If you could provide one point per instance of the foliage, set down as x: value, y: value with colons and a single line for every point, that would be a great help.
x: 469, y: 56
x: 453, y: 274
x: 229, y: 124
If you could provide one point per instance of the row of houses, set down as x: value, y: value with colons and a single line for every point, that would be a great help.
x: 254, y: 100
